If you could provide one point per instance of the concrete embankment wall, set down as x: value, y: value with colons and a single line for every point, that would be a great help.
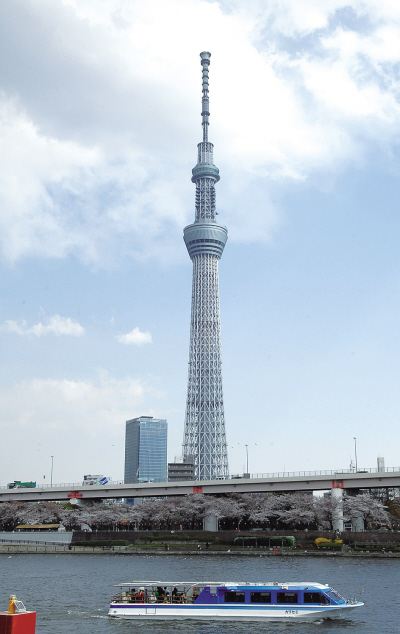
x: 42, y: 537
x: 227, y: 537
x: 221, y: 538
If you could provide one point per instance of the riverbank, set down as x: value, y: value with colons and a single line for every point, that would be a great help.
x: 23, y: 549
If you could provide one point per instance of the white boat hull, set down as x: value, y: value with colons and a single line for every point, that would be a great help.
x: 228, y: 613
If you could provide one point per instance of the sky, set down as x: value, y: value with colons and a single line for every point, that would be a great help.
x: 100, y: 105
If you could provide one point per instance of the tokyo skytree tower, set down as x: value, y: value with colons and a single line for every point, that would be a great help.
x: 204, y: 435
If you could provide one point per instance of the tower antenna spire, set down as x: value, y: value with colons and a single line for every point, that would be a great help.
x: 205, y: 111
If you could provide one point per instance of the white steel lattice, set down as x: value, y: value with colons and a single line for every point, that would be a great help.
x: 204, y: 435
x: 205, y: 199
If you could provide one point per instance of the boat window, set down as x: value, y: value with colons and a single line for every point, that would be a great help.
x: 287, y: 597
x: 335, y: 596
x: 315, y: 597
x: 234, y: 597
x: 260, y: 597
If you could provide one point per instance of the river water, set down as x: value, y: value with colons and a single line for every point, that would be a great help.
x: 70, y: 593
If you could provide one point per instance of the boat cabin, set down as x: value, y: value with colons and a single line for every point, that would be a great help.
x: 232, y: 593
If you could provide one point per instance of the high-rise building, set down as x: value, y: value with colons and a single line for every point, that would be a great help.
x: 205, y: 239
x: 145, y: 450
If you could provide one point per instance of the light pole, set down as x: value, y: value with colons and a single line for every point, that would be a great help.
x: 247, y: 455
x: 355, y: 450
x: 51, y: 477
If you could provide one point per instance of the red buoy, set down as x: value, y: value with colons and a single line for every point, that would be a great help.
x: 17, y: 620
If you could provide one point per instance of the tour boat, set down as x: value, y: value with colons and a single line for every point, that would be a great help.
x: 208, y: 600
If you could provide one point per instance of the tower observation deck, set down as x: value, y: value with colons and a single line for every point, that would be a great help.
x: 204, y: 435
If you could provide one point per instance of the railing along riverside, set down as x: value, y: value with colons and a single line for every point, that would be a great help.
x: 28, y: 542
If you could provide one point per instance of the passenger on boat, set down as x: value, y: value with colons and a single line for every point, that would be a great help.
x: 152, y: 598
x: 140, y: 596
x: 176, y: 597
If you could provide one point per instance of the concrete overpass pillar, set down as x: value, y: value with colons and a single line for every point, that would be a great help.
x: 337, y: 505
x: 83, y: 502
x: 210, y: 523
x: 357, y: 518
x: 357, y: 523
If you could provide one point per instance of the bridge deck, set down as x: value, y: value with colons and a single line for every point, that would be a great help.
x: 313, y: 481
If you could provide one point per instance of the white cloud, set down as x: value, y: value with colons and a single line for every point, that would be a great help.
x: 55, y: 325
x: 135, y: 337
x: 99, y: 114
x: 77, y: 421
x: 304, y: 17
x: 63, y: 404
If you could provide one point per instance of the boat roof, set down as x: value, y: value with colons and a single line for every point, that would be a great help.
x: 223, y: 583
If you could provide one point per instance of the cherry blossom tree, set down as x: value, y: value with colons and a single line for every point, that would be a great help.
x: 9, y: 514
x: 327, y: 508
x: 225, y: 508
x: 297, y: 508
x: 367, y: 507
x: 39, y: 513
x: 268, y: 507
x: 71, y: 516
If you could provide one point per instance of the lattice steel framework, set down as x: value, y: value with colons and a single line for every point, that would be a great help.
x: 204, y: 435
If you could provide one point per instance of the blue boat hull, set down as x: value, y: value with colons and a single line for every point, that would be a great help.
x: 228, y: 613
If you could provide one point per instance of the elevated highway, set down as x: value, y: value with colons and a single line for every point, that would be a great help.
x: 259, y: 483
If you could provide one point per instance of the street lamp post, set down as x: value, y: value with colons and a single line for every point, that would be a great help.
x: 51, y: 477
x: 355, y: 450
x: 247, y: 455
